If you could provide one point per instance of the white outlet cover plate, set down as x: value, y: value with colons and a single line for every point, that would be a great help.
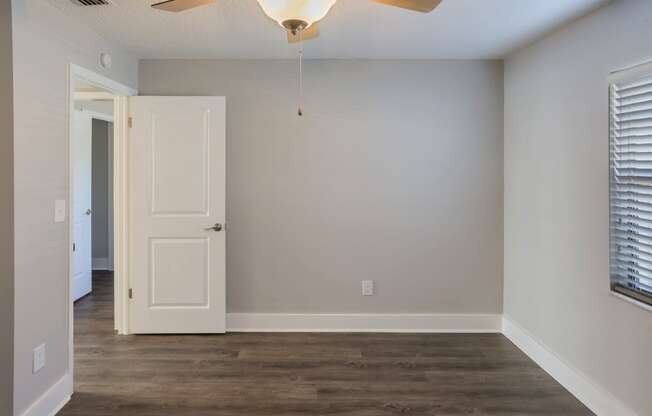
x: 59, y: 210
x: 39, y: 358
x: 367, y: 288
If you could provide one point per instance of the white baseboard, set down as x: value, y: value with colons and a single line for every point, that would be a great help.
x: 102, y: 263
x: 599, y: 400
x: 421, y: 323
x: 52, y: 400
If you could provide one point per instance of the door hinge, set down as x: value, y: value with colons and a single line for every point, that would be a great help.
x: 130, y: 122
x: 131, y: 293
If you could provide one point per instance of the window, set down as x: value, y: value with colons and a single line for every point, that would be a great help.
x: 630, y: 144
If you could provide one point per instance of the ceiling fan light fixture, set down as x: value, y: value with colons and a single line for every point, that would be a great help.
x: 296, y: 14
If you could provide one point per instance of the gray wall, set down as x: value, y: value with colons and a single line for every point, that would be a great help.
x: 393, y: 174
x: 48, y: 41
x: 6, y: 212
x: 556, y: 199
x: 102, y: 189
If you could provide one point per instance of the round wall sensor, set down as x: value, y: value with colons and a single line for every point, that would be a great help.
x: 105, y: 60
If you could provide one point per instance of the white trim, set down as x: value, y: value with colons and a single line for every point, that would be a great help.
x: 97, y: 115
x: 631, y: 300
x: 632, y: 73
x: 53, y: 400
x: 414, y: 323
x: 101, y: 263
x: 631, y: 66
x: 97, y: 80
x: 93, y: 96
x: 596, y: 398
x: 120, y: 214
x: 109, y: 186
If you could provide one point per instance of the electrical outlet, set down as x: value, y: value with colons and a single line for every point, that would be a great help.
x: 367, y: 288
x: 39, y: 358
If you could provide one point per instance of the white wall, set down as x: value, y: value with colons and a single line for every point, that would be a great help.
x: 556, y: 199
x: 45, y: 42
x: 6, y: 212
x: 102, y: 190
x: 393, y: 174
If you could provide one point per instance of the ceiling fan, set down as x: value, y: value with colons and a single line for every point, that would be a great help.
x: 299, y: 17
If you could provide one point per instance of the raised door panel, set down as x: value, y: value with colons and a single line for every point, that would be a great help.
x: 180, y: 174
x: 179, y: 272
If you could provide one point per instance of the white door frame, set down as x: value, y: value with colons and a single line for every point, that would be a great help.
x: 99, y: 116
x: 121, y: 92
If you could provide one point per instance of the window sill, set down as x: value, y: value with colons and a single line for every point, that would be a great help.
x: 632, y: 301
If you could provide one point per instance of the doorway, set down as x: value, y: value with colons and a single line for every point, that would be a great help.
x: 171, y: 174
x: 92, y: 196
x: 94, y: 102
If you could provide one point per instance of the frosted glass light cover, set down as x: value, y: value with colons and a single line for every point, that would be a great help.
x: 309, y: 11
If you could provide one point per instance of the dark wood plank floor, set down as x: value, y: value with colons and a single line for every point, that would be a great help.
x: 301, y: 374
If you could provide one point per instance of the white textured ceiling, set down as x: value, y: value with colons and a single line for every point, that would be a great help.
x: 237, y: 29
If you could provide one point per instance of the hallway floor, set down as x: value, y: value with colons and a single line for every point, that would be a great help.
x: 301, y: 374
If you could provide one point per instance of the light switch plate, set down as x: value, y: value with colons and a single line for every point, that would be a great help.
x: 367, y: 288
x: 59, y: 210
x: 39, y: 358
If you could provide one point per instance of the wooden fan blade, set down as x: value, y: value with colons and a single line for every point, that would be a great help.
x: 423, y: 6
x: 180, y: 5
x: 309, y: 33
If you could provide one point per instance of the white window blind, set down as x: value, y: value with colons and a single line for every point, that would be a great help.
x: 630, y: 144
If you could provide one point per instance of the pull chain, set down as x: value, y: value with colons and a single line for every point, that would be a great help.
x: 300, y: 111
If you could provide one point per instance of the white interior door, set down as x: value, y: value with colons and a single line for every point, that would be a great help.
x: 82, y: 188
x: 176, y: 194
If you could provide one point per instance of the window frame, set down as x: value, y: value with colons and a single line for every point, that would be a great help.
x: 633, y: 74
